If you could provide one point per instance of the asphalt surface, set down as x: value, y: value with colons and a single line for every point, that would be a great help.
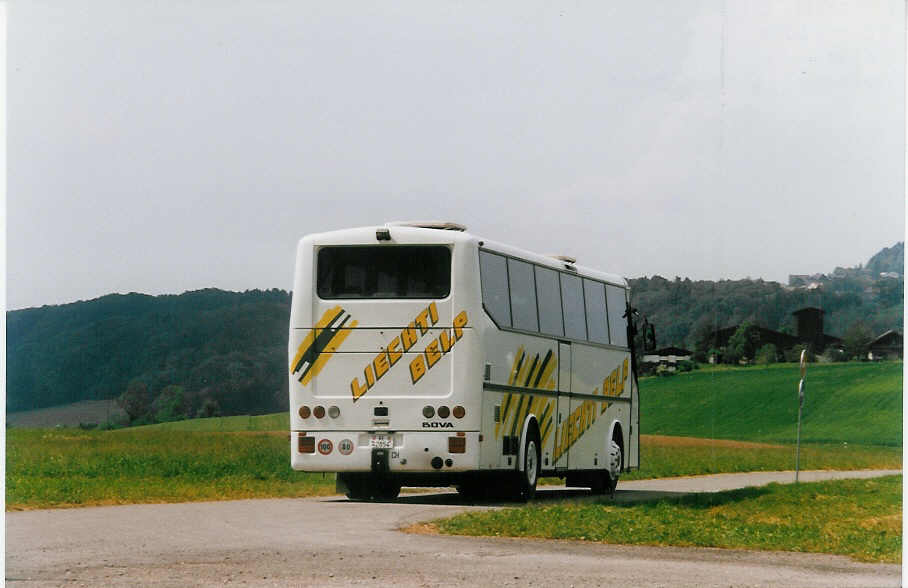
x: 335, y: 542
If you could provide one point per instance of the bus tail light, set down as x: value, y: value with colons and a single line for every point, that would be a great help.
x: 458, y: 412
x: 305, y: 413
x: 306, y: 444
x: 457, y: 444
x: 319, y: 412
x: 444, y: 412
x: 334, y: 412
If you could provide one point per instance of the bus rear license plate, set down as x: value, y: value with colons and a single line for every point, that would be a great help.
x: 381, y: 442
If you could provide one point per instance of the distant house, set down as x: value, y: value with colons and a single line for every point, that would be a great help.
x: 798, y: 279
x: 889, y: 345
x: 668, y: 356
x: 780, y: 340
x: 809, y: 329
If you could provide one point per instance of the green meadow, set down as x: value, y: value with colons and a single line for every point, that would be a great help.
x: 854, y: 402
x: 744, y: 419
x: 858, y: 518
x: 71, y: 467
x: 853, y: 421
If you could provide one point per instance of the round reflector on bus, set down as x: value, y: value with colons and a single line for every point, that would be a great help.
x: 319, y: 412
x: 305, y: 412
x: 428, y: 412
x: 334, y: 412
x: 444, y: 412
x: 459, y: 412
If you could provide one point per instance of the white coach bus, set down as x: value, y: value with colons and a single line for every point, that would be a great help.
x: 422, y: 355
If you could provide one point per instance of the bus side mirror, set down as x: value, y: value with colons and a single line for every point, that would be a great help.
x: 649, y: 338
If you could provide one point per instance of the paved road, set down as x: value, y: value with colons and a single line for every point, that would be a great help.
x: 333, y: 542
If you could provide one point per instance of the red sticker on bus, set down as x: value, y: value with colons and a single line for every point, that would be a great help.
x: 325, y: 446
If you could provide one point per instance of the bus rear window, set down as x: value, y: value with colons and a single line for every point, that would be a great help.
x: 401, y: 271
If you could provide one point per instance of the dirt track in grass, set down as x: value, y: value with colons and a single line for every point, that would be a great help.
x: 667, y: 441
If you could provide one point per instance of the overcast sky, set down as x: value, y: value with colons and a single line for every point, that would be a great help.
x: 160, y: 147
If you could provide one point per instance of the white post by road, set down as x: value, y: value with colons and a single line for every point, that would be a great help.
x: 800, y: 404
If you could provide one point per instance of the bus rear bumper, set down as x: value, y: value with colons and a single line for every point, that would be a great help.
x: 407, y: 451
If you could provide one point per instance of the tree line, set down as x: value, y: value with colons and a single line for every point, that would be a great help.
x: 211, y: 352
x: 201, y: 353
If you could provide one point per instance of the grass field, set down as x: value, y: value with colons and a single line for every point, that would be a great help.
x: 60, y: 468
x: 236, y: 457
x: 855, y: 402
x: 267, y: 422
x: 71, y: 467
x: 859, y: 518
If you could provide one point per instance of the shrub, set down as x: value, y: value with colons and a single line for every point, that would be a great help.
x: 834, y: 354
x: 794, y: 354
x: 767, y: 354
x: 685, y: 365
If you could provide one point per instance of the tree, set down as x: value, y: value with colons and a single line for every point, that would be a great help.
x: 703, y: 337
x: 743, y: 344
x: 136, y: 401
x: 857, y: 340
x: 209, y: 408
x: 171, y: 405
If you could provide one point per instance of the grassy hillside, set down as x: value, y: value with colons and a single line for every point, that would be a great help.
x: 847, y: 402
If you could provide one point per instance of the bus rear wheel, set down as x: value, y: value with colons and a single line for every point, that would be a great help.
x: 356, y: 487
x: 385, y: 490
x: 527, y: 479
x: 369, y: 488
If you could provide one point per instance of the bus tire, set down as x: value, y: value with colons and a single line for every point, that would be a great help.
x: 357, y: 487
x: 386, y: 490
x: 471, y: 490
x: 615, y: 463
x: 527, y: 479
x: 605, y: 481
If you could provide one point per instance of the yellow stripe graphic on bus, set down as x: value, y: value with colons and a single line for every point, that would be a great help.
x: 536, y: 372
x: 529, y: 372
x: 321, y: 343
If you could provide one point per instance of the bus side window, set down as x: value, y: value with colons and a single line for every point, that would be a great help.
x: 549, y: 296
x: 523, y: 295
x: 493, y: 274
x: 596, y: 322
x: 572, y: 303
x: 617, y: 303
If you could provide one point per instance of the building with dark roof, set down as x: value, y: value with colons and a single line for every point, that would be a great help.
x: 889, y: 345
x: 668, y: 356
x: 809, y: 331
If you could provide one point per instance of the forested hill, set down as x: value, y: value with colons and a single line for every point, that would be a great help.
x: 226, y: 351
x: 865, y: 297
x: 225, y: 347
x: 682, y: 310
x: 890, y: 259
